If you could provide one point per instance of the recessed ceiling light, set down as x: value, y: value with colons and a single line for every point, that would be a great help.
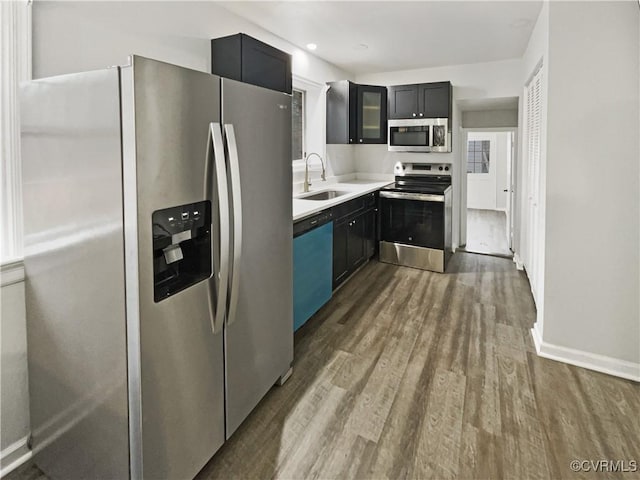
x: 312, y: 46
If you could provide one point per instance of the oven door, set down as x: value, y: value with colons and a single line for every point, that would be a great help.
x: 414, y: 219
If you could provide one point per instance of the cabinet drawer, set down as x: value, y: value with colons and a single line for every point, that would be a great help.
x: 370, y: 200
x: 348, y: 208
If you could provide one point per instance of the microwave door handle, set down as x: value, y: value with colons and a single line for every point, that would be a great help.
x: 236, y: 199
x: 220, y: 245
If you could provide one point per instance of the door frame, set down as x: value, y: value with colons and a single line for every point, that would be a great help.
x: 512, y: 170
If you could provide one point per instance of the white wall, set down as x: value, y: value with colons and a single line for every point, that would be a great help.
x: 592, y: 264
x: 78, y: 36
x: 486, y: 190
x: 470, y: 82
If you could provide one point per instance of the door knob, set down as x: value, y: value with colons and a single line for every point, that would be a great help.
x: 505, y: 190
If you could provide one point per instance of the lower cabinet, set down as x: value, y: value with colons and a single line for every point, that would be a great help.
x: 354, y: 240
x: 327, y: 248
x: 340, y: 260
x: 369, y: 234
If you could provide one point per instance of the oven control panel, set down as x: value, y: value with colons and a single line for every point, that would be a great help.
x: 402, y: 168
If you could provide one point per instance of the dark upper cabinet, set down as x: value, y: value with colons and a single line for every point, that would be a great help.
x: 356, y: 113
x: 434, y: 99
x: 371, y: 114
x: 423, y: 100
x: 243, y: 58
x: 403, y: 101
x: 342, y: 100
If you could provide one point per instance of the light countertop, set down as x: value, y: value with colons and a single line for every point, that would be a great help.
x: 355, y: 188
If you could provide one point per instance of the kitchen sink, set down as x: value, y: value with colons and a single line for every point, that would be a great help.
x: 326, y: 195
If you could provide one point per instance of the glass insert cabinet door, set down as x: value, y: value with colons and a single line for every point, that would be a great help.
x: 371, y: 114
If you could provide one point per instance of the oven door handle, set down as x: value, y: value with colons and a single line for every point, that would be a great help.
x: 421, y: 197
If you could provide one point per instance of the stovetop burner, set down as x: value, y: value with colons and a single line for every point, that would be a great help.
x: 433, y: 179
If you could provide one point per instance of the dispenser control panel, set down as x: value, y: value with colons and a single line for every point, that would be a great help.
x: 181, y: 248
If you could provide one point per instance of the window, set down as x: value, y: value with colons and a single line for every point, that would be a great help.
x: 478, y: 156
x: 297, y: 124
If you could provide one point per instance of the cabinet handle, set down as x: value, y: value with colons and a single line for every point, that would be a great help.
x: 414, y: 114
x: 360, y: 140
x: 421, y: 114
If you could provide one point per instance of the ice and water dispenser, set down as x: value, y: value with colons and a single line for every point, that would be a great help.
x: 181, y: 248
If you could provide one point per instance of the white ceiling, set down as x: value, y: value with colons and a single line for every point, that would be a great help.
x: 399, y: 35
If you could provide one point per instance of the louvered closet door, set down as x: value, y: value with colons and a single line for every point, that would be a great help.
x: 533, y: 139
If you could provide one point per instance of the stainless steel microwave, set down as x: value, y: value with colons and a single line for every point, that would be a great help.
x: 419, y: 135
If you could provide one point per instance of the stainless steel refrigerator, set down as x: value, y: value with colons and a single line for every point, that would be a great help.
x: 158, y: 233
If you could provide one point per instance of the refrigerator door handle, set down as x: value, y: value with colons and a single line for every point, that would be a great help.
x: 218, y: 287
x: 236, y: 198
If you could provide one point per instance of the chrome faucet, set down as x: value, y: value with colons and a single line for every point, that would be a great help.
x: 307, y: 183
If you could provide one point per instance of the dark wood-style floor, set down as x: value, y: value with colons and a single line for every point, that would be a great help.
x: 413, y: 374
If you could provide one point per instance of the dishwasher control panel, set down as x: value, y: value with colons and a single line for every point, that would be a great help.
x: 314, y: 221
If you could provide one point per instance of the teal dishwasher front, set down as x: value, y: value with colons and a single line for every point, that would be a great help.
x: 312, y: 266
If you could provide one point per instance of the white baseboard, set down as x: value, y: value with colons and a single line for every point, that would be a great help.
x: 518, y: 261
x: 13, y: 456
x: 591, y: 361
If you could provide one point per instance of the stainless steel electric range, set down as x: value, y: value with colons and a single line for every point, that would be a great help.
x: 415, y: 217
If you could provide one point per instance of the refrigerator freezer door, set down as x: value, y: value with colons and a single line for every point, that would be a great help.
x: 178, y: 417
x: 74, y: 268
x: 259, y: 339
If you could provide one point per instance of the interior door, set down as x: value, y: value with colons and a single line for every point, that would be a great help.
x: 510, y: 187
x: 177, y: 368
x: 259, y: 335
